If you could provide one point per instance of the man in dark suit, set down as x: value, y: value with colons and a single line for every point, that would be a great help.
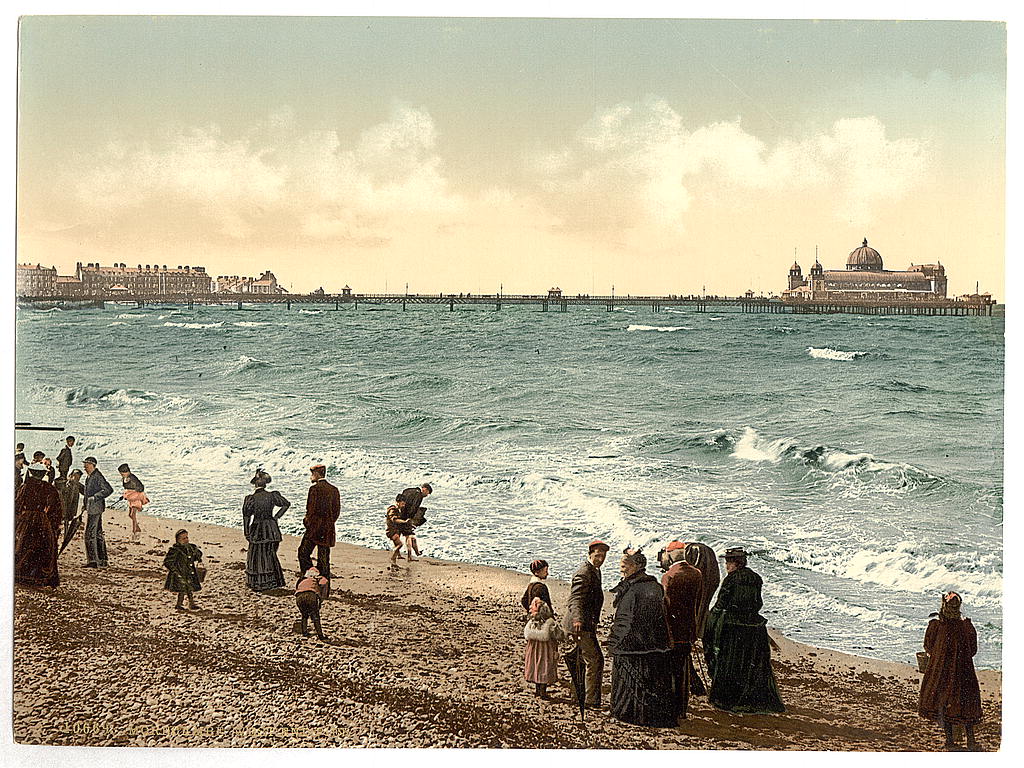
x: 414, y: 513
x: 64, y: 458
x: 323, y: 505
x: 586, y: 598
x: 684, y: 588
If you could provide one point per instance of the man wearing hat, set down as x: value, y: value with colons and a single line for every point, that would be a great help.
x: 64, y: 458
x: 736, y: 643
x: 38, y: 519
x: 684, y: 586
x: 323, y: 505
x: 586, y: 598
x: 96, y: 491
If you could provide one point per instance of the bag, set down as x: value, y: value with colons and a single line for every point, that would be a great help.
x: 200, y: 572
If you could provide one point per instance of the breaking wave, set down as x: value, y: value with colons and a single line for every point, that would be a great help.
x: 827, y: 353
x: 194, y: 326
x: 128, y: 398
x: 247, y: 324
x: 659, y: 328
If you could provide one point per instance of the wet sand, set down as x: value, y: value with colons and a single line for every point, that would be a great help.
x: 428, y: 656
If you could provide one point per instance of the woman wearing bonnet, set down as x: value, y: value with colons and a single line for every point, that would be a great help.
x: 262, y: 566
x: 949, y: 690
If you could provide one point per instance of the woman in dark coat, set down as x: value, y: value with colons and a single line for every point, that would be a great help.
x: 736, y: 643
x: 38, y: 520
x: 262, y: 566
x: 643, y: 673
x: 949, y: 690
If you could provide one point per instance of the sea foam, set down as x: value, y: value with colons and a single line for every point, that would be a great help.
x: 827, y: 353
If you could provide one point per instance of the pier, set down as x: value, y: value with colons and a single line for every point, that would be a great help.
x: 550, y: 302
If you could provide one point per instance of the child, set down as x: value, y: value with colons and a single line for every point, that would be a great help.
x: 537, y: 587
x: 311, y: 590
x: 543, y: 634
x: 133, y: 494
x: 397, y: 527
x: 182, y: 576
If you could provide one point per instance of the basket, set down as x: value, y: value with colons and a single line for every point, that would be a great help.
x: 922, y: 661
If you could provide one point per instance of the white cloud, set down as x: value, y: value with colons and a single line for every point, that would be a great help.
x: 639, y: 166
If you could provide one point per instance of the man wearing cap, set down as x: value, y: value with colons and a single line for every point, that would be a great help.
x: 64, y: 458
x: 323, y: 505
x: 683, y: 585
x: 586, y: 598
x: 96, y: 491
x: 38, y: 517
x: 736, y: 643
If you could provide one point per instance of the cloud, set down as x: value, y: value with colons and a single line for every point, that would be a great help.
x: 639, y: 166
x: 275, y: 179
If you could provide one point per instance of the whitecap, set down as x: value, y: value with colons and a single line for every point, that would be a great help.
x: 169, y: 324
x: 752, y: 447
x: 245, y: 324
x: 118, y: 322
x: 660, y: 328
x: 129, y: 315
x: 827, y: 353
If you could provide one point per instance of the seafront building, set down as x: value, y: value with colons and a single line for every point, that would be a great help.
x: 265, y: 284
x: 865, y: 279
x: 151, y: 280
x: 35, y: 280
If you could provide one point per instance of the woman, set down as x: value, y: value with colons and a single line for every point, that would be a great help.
x: 643, y: 673
x: 949, y: 690
x: 736, y: 643
x: 133, y: 494
x: 537, y: 587
x: 259, y: 523
x: 38, y: 516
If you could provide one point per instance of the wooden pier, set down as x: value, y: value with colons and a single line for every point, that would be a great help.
x: 545, y: 302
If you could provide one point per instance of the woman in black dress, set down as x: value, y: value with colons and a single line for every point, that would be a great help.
x: 262, y: 568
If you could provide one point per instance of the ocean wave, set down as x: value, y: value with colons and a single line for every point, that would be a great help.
x: 254, y: 324
x: 128, y: 398
x: 905, y: 568
x: 827, y: 353
x: 246, y: 363
x: 895, y: 385
x: 51, y: 309
x: 309, y: 311
x: 129, y: 315
x: 777, y: 329
x: 194, y: 326
x: 659, y: 328
x: 118, y: 322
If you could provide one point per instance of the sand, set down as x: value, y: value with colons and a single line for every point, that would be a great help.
x: 428, y: 656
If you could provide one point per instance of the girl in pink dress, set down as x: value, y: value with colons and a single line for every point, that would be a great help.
x: 134, y: 494
x: 543, y: 634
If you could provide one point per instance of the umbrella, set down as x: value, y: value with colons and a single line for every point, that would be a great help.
x: 69, y: 534
x: 574, y: 661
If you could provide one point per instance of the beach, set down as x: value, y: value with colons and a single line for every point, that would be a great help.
x: 428, y: 656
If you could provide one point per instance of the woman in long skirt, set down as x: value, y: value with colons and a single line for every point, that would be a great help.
x: 262, y: 567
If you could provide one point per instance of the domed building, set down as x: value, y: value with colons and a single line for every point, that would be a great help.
x: 865, y: 279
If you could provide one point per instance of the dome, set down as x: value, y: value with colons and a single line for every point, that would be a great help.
x: 864, y: 258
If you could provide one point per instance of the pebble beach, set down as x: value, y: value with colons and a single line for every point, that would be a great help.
x: 426, y: 656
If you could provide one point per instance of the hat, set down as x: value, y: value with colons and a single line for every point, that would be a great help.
x: 674, y: 545
x: 260, y: 478
x: 319, y: 468
x: 734, y: 552
x: 90, y: 460
x: 38, y: 466
x: 597, y: 544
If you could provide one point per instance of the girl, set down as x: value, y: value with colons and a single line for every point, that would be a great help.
x: 537, y: 587
x: 397, y: 527
x: 542, y: 635
x: 133, y: 494
x: 182, y: 576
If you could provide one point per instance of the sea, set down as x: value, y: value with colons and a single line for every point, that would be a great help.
x: 858, y: 458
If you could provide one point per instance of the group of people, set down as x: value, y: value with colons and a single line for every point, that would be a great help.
x: 661, y: 632
x: 47, y: 511
x: 654, y: 633
x: 659, y: 629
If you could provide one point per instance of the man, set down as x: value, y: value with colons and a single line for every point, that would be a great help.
x: 19, y: 470
x: 38, y: 517
x: 70, y: 488
x: 736, y: 643
x: 583, y: 614
x: 96, y: 491
x: 414, y: 513
x: 684, y: 586
x: 323, y: 505
x: 64, y: 459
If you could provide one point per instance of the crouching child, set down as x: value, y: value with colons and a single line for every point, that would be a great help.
x: 311, y: 590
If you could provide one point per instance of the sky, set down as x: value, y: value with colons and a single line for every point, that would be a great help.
x: 457, y: 154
